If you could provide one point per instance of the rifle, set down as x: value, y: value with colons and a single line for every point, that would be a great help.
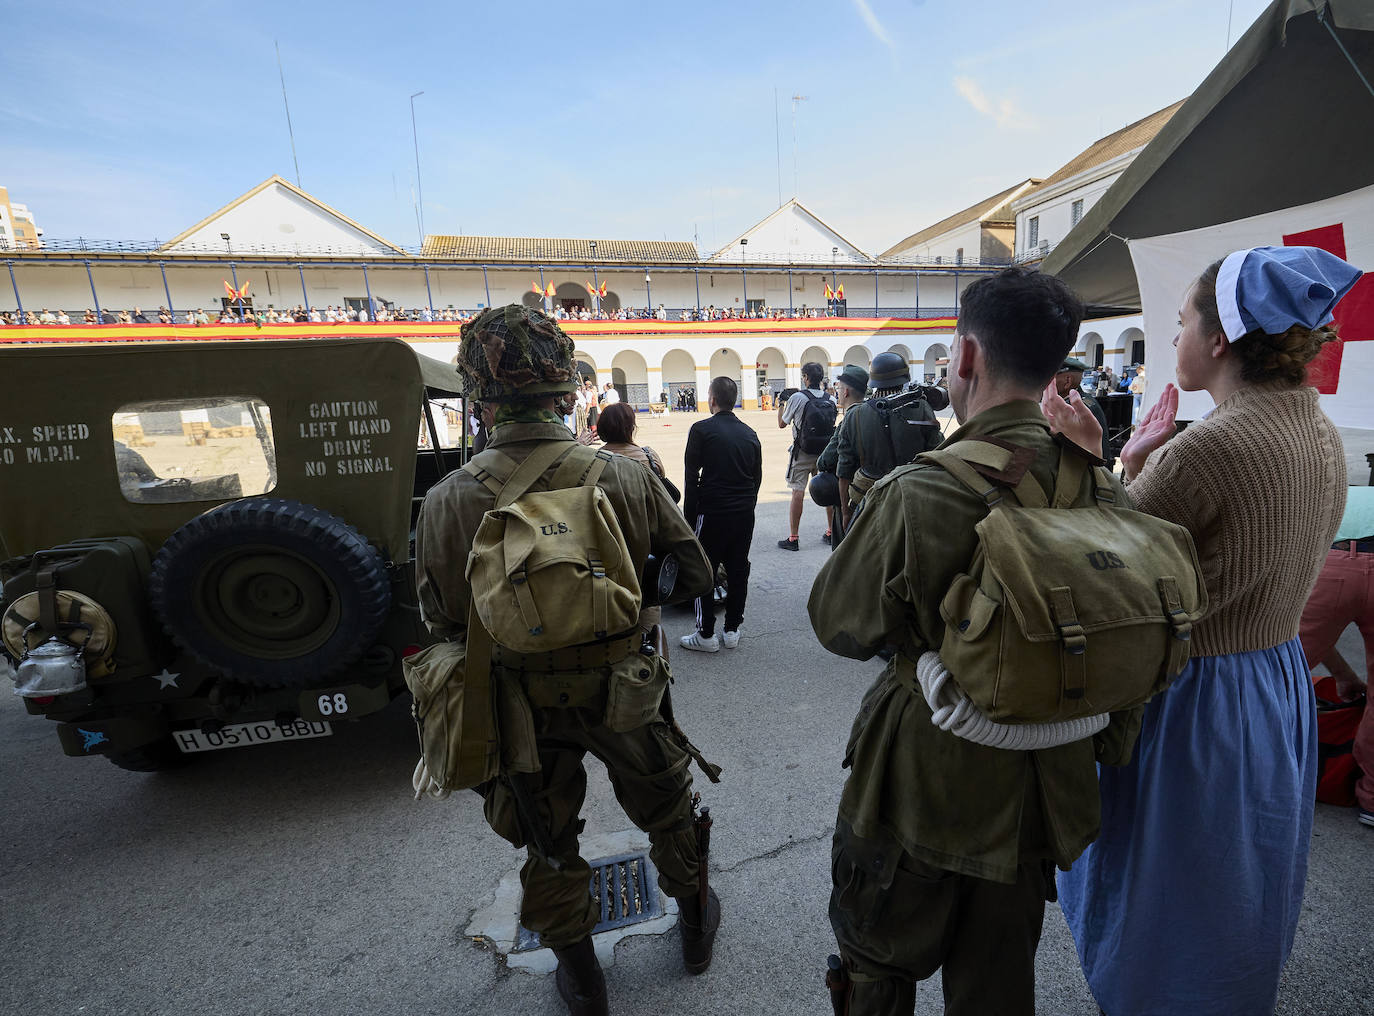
x: 702, y: 822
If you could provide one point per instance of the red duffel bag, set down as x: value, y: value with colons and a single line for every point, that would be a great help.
x: 1337, y: 722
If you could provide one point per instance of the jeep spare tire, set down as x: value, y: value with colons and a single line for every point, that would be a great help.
x: 271, y: 592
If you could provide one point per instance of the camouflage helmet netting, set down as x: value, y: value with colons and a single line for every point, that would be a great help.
x: 515, y: 352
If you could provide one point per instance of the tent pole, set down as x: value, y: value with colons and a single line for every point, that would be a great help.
x: 1321, y: 16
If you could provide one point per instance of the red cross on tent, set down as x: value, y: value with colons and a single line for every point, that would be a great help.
x: 1354, y: 314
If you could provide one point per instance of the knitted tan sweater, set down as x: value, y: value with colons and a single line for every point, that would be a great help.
x: 1260, y: 484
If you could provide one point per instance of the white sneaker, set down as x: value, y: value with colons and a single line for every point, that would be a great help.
x: 701, y: 643
x: 729, y: 639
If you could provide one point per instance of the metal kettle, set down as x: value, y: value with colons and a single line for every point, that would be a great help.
x: 54, y: 667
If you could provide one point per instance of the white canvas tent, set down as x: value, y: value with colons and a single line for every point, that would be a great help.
x: 1275, y: 146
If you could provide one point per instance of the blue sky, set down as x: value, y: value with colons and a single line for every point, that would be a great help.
x: 624, y: 120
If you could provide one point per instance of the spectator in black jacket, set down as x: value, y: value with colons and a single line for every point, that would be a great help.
x: 724, y: 470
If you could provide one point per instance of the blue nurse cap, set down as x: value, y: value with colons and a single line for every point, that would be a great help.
x: 1274, y: 288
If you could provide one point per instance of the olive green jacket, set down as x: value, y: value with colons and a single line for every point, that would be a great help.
x: 867, y: 444
x: 958, y: 805
x: 454, y: 507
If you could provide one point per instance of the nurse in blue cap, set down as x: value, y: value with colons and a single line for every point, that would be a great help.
x: 1189, y: 899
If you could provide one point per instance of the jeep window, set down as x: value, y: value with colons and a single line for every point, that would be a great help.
x: 208, y: 449
x: 448, y: 421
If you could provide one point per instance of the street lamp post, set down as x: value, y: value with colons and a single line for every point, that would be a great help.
x: 834, y: 300
x: 596, y: 291
x: 744, y: 280
x: 225, y: 238
x: 415, y: 138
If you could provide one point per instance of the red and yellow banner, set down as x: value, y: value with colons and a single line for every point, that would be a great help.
x: 46, y: 334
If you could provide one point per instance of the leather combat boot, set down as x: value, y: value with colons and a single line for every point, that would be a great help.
x: 580, y: 982
x: 698, y: 930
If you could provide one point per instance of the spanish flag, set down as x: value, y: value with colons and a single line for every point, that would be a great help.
x: 839, y: 293
x: 237, y: 294
x: 550, y: 291
x: 829, y: 293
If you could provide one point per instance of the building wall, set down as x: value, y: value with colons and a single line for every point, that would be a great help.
x: 946, y: 245
x: 1056, y: 214
x: 279, y: 219
x: 193, y: 285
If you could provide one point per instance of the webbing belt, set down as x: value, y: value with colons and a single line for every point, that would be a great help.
x: 574, y: 658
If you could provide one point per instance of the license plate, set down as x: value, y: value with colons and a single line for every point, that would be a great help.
x: 241, y: 735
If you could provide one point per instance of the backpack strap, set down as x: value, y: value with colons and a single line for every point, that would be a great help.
x: 1073, y: 645
x: 959, y: 459
x: 581, y: 468
x: 534, y: 466
x: 1069, y: 478
x: 497, y: 469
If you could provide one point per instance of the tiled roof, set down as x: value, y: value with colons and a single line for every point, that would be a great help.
x: 1128, y: 139
x: 993, y: 209
x: 523, y: 248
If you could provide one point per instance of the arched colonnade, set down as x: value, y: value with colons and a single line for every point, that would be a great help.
x: 643, y: 375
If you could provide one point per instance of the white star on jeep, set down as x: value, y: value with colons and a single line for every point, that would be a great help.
x: 166, y: 679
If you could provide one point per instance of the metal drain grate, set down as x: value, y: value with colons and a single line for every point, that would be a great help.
x: 625, y: 887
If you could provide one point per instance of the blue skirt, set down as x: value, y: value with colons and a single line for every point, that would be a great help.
x: 1189, y: 899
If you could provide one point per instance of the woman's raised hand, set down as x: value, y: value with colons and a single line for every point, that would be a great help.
x: 1072, y: 418
x: 1155, y: 428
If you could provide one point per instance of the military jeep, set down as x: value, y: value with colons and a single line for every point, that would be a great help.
x: 208, y: 544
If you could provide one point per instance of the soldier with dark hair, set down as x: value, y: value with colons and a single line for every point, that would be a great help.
x: 945, y: 849
x: 520, y: 360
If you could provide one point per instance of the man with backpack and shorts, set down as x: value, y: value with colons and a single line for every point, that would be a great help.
x: 554, y: 703
x: 811, y: 412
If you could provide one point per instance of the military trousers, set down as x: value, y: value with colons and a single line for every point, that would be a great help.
x: 898, y: 920
x: 648, y: 771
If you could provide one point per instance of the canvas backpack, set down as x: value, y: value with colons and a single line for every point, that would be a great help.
x: 547, y: 570
x: 550, y: 569
x: 1072, y: 606
x: 817, y: 423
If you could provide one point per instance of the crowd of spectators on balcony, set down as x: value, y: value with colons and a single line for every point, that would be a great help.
x: 711, y: 313
x: 346, y: 314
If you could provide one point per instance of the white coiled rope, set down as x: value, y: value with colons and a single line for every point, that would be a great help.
x: 424, y: 783
x: 951, y: 710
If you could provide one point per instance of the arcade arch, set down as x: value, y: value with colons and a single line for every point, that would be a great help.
x: 679, y: 372
x: 1132, y: 341
x: 586, y: 366
x: 901, y: 350
x: 630, y: 375
x: 771, y: 366
x: 858, y: 355
x: 725, y: 363
x: 1093, y: 349
x: 936, y: 362
x: 815, y: 354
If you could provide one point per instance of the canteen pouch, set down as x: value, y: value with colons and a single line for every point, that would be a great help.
x: 635, y: 692
x: 436, y: 679
x: 1070, y: 609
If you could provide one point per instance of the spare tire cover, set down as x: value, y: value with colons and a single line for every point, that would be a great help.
x: 271, y: 592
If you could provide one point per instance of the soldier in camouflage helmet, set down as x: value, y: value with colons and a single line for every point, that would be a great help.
x: 521, y: 360
x: 515, y: 352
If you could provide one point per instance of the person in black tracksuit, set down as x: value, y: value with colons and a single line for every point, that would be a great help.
x: 724, y: 470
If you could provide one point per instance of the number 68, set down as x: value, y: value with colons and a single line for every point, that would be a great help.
x: 332, y: 704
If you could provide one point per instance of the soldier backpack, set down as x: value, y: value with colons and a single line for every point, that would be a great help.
x: 1072, y: 606
x: 548, y: 570
x: 817, y: 423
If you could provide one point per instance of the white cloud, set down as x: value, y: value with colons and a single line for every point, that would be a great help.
x: 1004, y: 111
x: 874, y: 25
